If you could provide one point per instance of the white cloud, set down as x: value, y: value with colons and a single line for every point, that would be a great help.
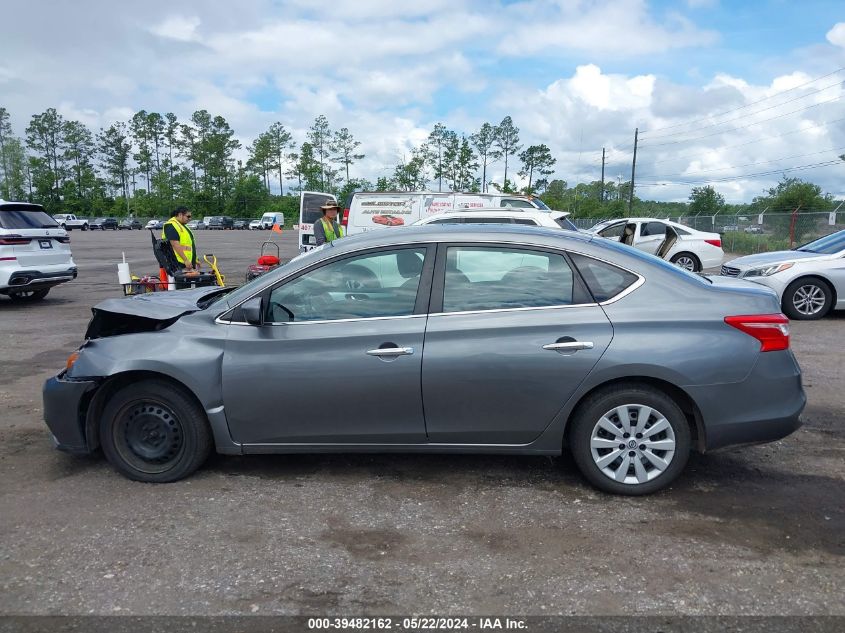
x: 178, y: 27
x: 836, y: 35
x: 626, y: 27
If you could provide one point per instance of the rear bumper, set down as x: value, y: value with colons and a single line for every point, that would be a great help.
x: 765, y: 407
x: 64, y: 413
x: 29, y: 279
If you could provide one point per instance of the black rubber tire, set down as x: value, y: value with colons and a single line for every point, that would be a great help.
x: 695, y: 260
x: 32, y: 295
x: 787, y: 301
x: 84, y: 227
x: 195, y: 433
x: 596, y: 405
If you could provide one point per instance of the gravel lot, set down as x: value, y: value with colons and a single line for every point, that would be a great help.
x: 759, y: 530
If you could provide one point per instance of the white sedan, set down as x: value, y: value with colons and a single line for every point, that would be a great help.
x: 810, y: 280
x: 693, y: 250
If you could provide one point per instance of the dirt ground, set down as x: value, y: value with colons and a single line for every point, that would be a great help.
x: 758, y: 530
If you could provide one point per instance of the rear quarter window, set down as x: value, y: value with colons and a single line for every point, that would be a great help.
x: 604, y: 280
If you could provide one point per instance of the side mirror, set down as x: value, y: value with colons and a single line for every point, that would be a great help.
x: 253, y: 311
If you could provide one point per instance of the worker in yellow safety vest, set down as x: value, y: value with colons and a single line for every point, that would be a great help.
x: 327, y: 228
x: 180, y: 237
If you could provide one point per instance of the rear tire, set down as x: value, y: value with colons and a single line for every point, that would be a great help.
x: 153, y: 431
x: 807, y: 299
x: 25, y: 296
x: 687, y: 261
x: 630, y: 439
x: 84, y: 227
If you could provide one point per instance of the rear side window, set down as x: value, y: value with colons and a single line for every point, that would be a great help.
x: 517, y: 204
x: 604, y: 280
x: 480, y: 220
x: 526, y: 221
x: 25, y: 218
x: 504, y: 278
x: 566, y: 223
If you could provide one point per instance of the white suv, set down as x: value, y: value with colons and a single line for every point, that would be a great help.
x: 34, y: 252
x: 502, y: 215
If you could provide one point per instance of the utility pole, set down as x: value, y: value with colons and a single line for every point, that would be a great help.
x: 633, y: 171
x: 601, y: 195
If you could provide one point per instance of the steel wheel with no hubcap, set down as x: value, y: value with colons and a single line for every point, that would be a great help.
x: 149, y: 436
x: 632, y: 444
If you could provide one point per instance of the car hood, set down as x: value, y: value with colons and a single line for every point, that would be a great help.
x: 761, y: 259
x: 146, y: 312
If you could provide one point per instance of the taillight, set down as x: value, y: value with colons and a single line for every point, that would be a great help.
x: 13, y: 240
x: 344, y: 221
x: 772, y: 330
x: 717, y: 243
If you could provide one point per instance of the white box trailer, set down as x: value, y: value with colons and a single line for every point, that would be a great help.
x: 370, y: 211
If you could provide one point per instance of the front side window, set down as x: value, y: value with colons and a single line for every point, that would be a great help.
x: 495, y: 278
x: 614, y: 230
x: 381, y: 284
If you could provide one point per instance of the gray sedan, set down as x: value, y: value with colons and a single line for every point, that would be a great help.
x: 489, y: 339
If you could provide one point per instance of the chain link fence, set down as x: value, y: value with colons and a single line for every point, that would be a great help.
x: 745, y: 234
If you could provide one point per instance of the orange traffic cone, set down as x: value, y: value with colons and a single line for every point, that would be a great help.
x: 277, y: 228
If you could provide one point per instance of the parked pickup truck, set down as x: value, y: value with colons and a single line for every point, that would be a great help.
x: 68, y: 221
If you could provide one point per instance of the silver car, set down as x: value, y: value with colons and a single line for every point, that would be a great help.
x: 810, y: 280
x: 450, y: 339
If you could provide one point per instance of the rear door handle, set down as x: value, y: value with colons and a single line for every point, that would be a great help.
x: 391, y: 351
x: 572, y: 346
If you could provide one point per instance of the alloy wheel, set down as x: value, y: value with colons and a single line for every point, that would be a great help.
x: 809, y: 299
x: 686, y: 262
x: 632, y: 444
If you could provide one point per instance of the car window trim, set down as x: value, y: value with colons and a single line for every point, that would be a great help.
x: 421, y: 303
x: 579, y: 288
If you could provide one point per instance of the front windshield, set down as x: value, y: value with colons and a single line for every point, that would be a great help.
x: 827, y: 245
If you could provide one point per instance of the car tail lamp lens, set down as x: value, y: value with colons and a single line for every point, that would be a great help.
x: 772, y: 330
x: 344, y: 221
x: 13, y: 240
x: 716, y: 243
x: 71, y: 360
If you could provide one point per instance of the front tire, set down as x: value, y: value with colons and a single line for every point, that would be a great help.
x: 630, y: 439
x: 687, y: 261
x: 84, y: 227
x: 807, y: 299
x: 153, y: 431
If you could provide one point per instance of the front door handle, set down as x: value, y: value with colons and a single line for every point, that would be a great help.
x: 391, y: 351
x: 571, y: 346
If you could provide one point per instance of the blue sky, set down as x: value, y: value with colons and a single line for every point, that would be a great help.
x: 577, y: 75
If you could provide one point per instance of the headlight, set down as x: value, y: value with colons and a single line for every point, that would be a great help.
x: 765, y: 271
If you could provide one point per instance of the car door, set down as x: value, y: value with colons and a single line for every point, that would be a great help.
x: 338, y: 357
x: 511, y: 334
x: 649, y: 236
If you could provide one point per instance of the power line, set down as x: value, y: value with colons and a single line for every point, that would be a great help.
x: 732, y: 178
x: 742, y: 127
x: 765, y: 162
x: 749, y: 114
x: 748, y: 105
x: 764, y: 138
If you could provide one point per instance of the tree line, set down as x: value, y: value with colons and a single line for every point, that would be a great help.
x: 153, y: 161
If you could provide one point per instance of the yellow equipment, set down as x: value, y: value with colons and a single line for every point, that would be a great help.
x: 211, y: 260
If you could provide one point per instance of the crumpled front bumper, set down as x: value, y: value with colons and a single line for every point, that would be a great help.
x: 65, y: 406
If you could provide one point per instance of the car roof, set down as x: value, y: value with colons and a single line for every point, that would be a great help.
x: 463, y: 233
x: 8, y: 205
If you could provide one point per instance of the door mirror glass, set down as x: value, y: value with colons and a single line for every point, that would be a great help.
x: 252, y: 311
